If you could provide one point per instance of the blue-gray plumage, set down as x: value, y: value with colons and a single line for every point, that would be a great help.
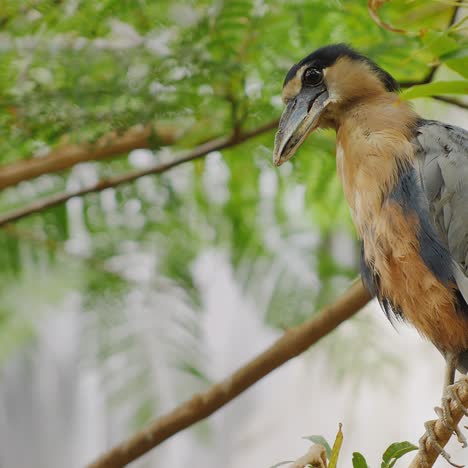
x: 442, y: 155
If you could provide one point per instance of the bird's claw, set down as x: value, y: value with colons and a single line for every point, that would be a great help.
x: 446, y: 417
x: 430, y: 438
x: 445, y: 413
x: 452, y: 391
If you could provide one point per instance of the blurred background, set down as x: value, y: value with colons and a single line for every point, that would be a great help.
x: 118, y: 305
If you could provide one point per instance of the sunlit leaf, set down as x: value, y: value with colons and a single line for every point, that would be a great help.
x: 395, y: 451
x: 458, y: 61
x: 436, y: 88
x: 359, y: 461
x: 336, y: 448
x: 440, y: 43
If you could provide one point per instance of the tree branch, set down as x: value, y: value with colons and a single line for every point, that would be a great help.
x: 66, y: 156
x: 294, y: 342
x: 442, y: 433
x: 427, y: 79
x: 199, y: 152
x: 453, y: 102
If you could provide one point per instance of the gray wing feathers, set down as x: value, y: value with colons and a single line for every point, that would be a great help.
x: 443, y: 169
x: 461, y: 280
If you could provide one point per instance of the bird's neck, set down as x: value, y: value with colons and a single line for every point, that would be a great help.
x: 373, y: 143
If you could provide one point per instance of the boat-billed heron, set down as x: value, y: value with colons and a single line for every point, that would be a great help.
x: 406, y: 182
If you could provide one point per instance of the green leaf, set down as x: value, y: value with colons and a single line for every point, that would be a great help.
x: 194, y: 371
x: 440, y: 43
x: 336, y: 448
x: 359, y: 461
x: 396, y: 451
x: 433, y: 89
x: 460, y: 65
x: 457, y: 61
x: 318, y: 439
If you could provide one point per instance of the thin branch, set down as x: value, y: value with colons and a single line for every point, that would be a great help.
x: 294, y: 342
x: 66, y: 156
x: 427, y: 79
x: 373, y: 7
x: 199, y: 152
x: 453, y: 102
x: 442, y: 433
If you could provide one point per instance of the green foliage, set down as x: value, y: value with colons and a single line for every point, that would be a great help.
x: 29, y: 297
x: 436, y: 88
x: 335, y: 452
x: 391, y: 455
x: 359, y: 461
x: 395, y: 451
x: 71, y: 72
x: 108, y: 65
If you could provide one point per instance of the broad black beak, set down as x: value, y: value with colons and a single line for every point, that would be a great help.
x: 300, y: 117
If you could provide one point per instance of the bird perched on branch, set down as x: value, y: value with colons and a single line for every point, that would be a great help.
x: 406, y: 182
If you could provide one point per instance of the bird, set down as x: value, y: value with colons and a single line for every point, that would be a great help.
x: 405, y: 179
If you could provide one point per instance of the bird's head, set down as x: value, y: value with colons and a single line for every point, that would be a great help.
x: 320, y: 88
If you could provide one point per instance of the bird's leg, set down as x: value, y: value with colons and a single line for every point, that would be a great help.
x: 450, y: 393
x: 451, y: 360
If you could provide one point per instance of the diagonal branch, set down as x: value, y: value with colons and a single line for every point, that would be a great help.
x: 294, y: 342
x: 441, y: 432
x: 199, y: 152
x: 66, y: 156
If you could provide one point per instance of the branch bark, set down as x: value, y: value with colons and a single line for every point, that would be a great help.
x: 442, y: 433
x: 294, y: 342
x: 199, y: 152
x: 425, y: 80
x: 66, y: 156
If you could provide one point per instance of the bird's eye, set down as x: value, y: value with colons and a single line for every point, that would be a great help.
x: 312, y: 76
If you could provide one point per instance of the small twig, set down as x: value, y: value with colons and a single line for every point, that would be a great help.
x: 453, y: 102
x: 373, y: 7
x: 199, y: 152
x: 294, y: 342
